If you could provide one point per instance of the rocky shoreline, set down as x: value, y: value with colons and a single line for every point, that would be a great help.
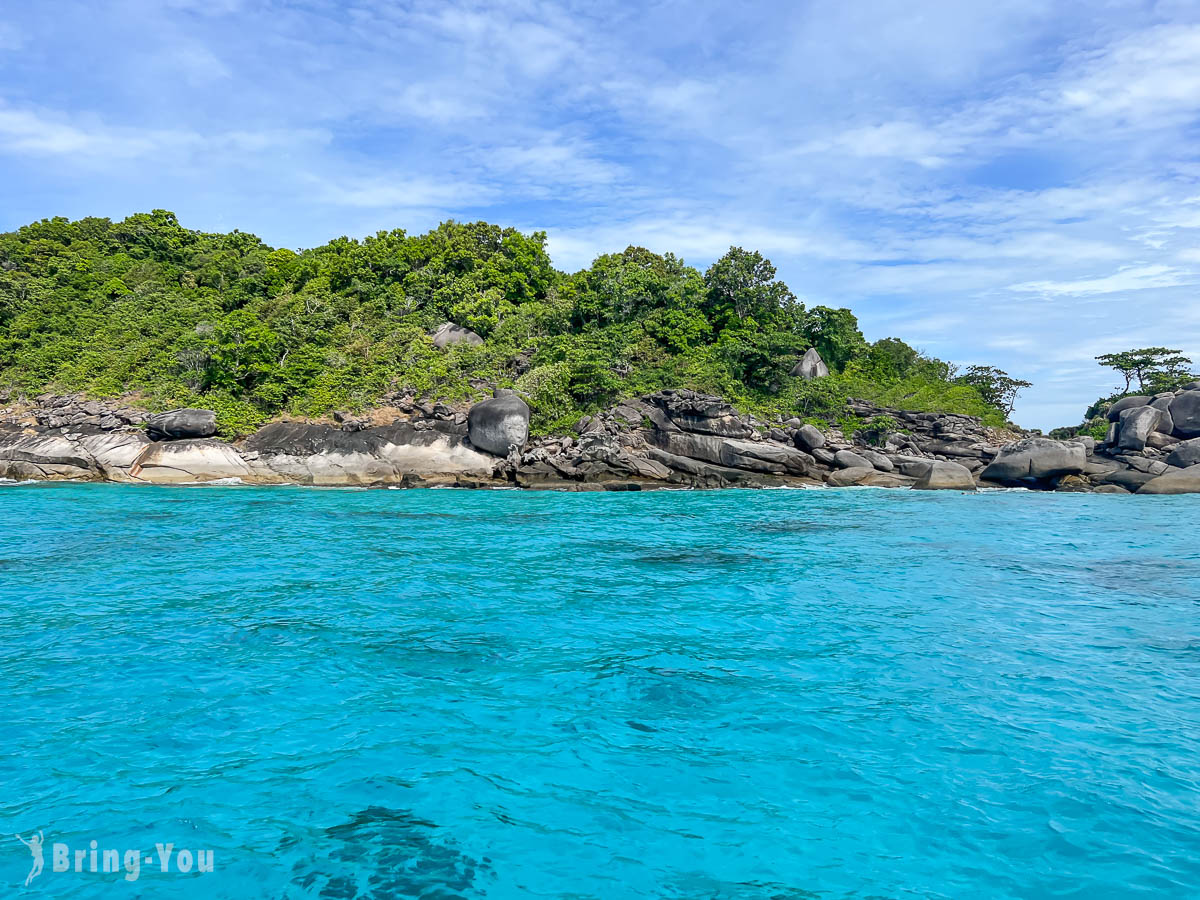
x: 672, y: 438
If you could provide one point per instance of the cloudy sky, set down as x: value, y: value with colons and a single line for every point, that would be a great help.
x: 1014, y: 183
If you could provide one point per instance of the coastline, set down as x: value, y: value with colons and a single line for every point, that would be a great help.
x: 672, y: 439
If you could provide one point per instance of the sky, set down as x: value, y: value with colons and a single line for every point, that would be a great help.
x: 1011, y: 183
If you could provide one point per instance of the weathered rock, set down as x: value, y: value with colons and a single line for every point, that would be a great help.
x: 1166, y: 424
x: 324, y: 455
x: 1185, y: 454
x: 1136, y: 424
x: 1109, y: 489
x: 1175, y: 481
x: 887, y: 479
x: 912, y: 466
x: 1159, y: 441
x: 1114, y: 411
x: 182, y: 423
x: 810, y: 365
x: 448, y: 334
x: 1130, y: 479
x: 1185, y: 411
x: 188, y: 460
x: 499, y: 423
x: 850, y: 476
x: 945, y: 476
x: 848, y: 459
x: 699, y: 414
x: 50, y: 456
x: 875, y: 458
x: 809, y: 437
x: 1035, y: 459
x: 115, y: 453
x: 754, y: 456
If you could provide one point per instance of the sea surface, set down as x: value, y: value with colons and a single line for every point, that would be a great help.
x: 736, y: 695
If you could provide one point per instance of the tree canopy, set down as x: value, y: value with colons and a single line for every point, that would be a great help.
x: 184, y: 317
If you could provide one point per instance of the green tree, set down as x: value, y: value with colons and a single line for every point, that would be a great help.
x: 741, y: 287
x: 1151, y: 366
x: 995, y: 386
x: 835, y: 334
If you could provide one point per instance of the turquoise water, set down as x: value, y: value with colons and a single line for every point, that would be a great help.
x: 772, y: 694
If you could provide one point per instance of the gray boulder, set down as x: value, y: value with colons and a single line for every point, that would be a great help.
x: 1166, y: 424
x: 877, y: 459
x: 848, y: 459
x: 1130, y: 479
x: 1185, y: 411
x: 1185, y: 454
x: 497, y: 424
x: 182, y: 423
x: 945, y: 476
x: 1176, y: 481
x: 811, y: 365
x: 1192, y: 386
x: 850, y: 476
x: 912, y: 466
x: 1035, y: 459
x: 448, y: 333
x: 809, y: 437
x: 1114, y: 411
x: 1136, y: 424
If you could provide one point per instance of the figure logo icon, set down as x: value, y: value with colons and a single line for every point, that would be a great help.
x: 35, y: 848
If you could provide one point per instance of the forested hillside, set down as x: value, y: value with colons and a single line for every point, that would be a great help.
x: 226, y: 322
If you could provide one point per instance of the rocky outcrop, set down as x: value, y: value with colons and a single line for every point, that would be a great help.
x: 303, y: 453
x: 498, y: 425
x: 1185, y: 413
x: 1034, y: 460
x: 447, y: 334
x: 810, y: 365
x: 189, y: 461
x: 49, y: 455
x: 1175, y: 481
x: 668, y: 438
x: 182, y: 423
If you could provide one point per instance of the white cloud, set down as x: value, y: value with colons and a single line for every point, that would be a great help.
x: 1131, y: 278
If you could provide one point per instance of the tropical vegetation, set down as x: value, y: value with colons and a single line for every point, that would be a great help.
x: 181, y: 317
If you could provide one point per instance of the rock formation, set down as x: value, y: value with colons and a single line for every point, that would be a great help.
x: 448, y: 333
x: 498, y: 425
x: 811, y: 365
x: 668, y: 438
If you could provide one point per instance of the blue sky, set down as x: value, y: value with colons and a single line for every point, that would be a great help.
x: 1013, y: 183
